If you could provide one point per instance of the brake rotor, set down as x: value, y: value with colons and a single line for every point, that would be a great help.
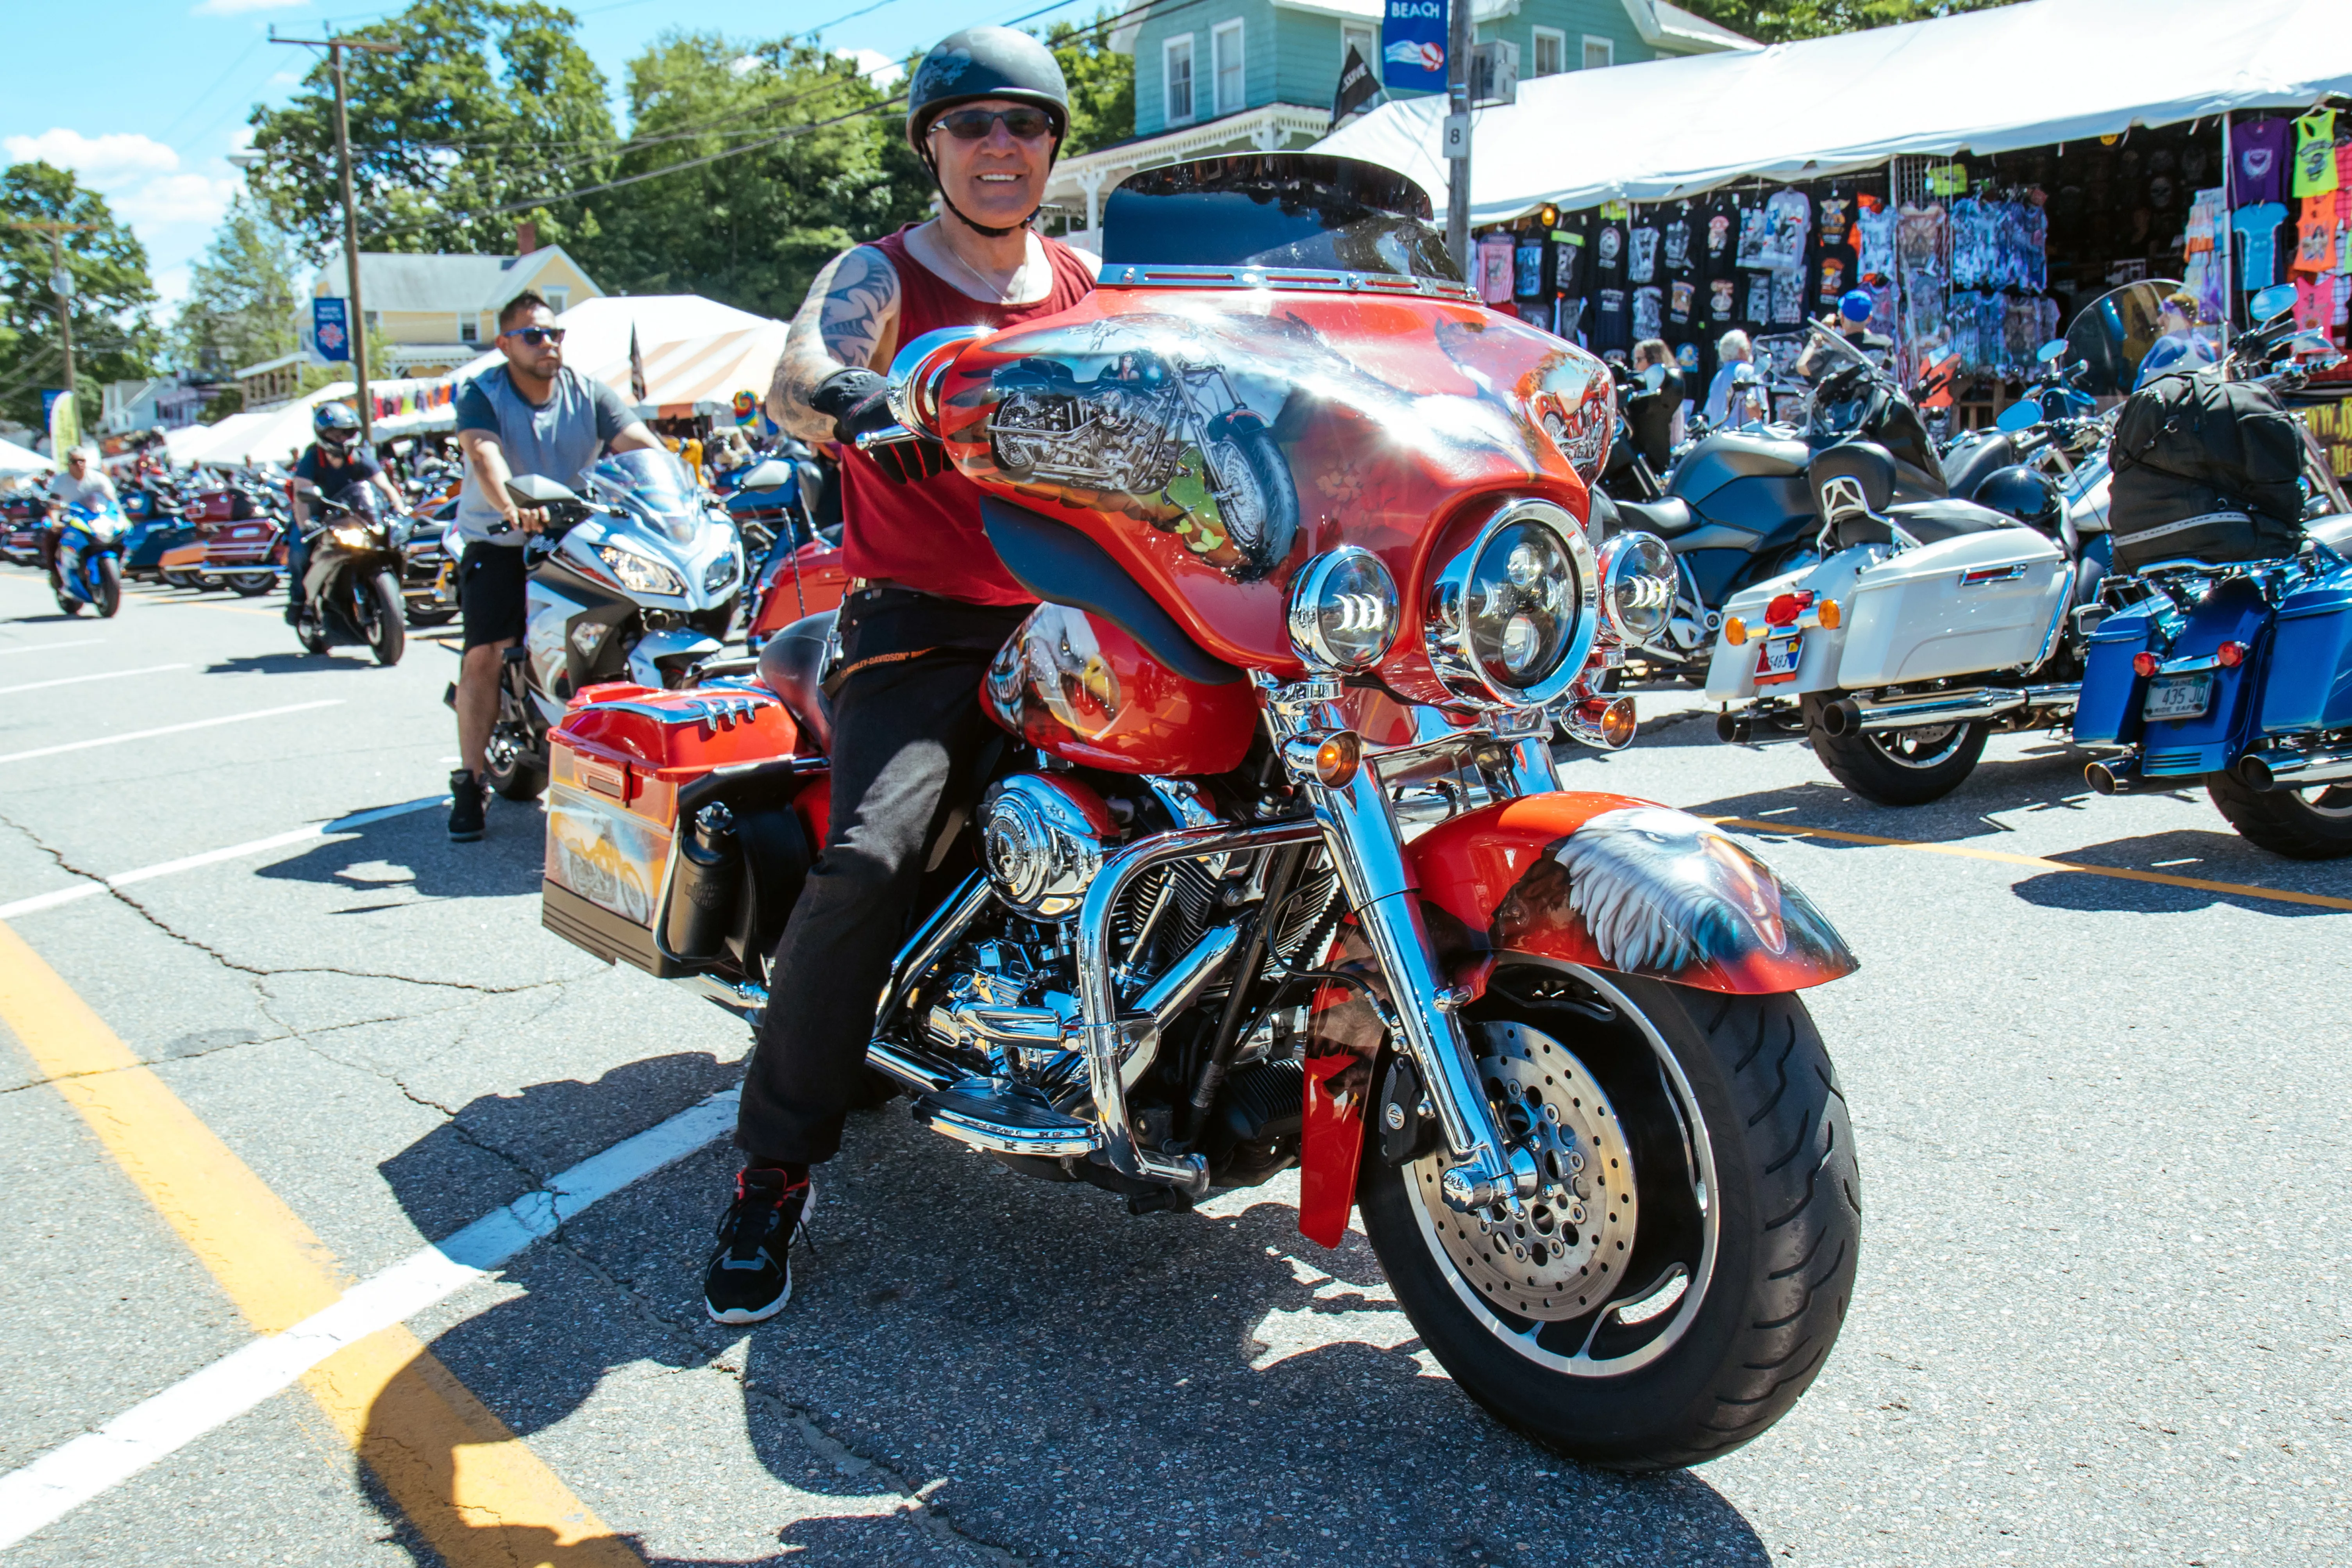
x: 1560, y: 1253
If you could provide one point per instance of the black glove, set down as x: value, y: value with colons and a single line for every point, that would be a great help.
x: 854, y: 399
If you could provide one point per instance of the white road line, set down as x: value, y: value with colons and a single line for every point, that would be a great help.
x: 64, y: 1479
x: 52, y: 647
x: 168, y: 729
x: 351, y: 823
x: 76, y: 680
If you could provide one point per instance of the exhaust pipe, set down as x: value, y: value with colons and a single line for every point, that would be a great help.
x: 1841, y: 717
x: 2109, y: 780
x: 1849, y: 714
x: 2292, y: 770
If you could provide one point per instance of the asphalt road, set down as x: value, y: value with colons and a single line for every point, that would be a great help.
x: 2102, y: 1315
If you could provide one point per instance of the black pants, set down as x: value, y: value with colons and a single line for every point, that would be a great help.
x: 908, y: 735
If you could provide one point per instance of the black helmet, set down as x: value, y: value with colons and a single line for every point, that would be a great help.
x: 334, y: 424
x: 2026, y: 493
x: 986, y: 62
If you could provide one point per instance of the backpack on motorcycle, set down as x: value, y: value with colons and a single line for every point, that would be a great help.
x: 2205, y: 469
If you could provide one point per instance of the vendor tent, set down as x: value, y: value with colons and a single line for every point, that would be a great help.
x: 16, y: 459
x: 273, y: 435
x: 2020, y: 75
x: 697, y: 353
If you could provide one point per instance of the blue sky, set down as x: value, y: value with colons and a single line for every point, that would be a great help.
x: 143, y: 97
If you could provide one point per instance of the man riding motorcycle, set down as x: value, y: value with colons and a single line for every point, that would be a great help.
x: 334, y: 461
x: 931, y: 604
x: 83, y: 482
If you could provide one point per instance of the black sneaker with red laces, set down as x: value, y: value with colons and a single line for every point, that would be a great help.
x: 750, y: 1275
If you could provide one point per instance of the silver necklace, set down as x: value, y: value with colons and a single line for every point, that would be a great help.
x: 1003, y: 295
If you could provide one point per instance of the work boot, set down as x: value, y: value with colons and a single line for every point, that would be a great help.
x: 750, y: 1275
x: 468, y: 795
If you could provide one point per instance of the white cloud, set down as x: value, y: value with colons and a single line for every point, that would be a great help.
x: 239, y: 7
x: 876, y: 66
x: 178, y: 199
x: 171, y: 287
x: 100, y: 160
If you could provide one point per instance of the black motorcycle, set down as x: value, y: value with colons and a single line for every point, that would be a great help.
x: 350, y: 588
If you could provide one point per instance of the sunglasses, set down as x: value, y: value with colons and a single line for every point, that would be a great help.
x: 972, y: 124
x: 532, y: 336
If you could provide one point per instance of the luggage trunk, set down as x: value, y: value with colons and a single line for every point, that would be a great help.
x: 1970, y: 605
x: 2206, y: 469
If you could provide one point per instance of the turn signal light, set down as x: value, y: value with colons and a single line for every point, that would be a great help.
x: 1735, y: 631
x: 1618, y: 722
x: 2229, y: 656
x: 1826, y: 615
x: 1331, y: 759
x: 2144, y: 664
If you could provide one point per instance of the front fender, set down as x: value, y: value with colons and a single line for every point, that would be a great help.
x: 1615, y: 883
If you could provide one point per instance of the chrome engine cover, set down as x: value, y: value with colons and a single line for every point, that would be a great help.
x: 1042, y: 840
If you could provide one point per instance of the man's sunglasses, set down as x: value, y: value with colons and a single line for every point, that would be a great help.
x: 973, y: 124
x: 532, y: 336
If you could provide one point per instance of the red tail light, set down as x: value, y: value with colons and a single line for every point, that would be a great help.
x: 1786, y: 607
x: 2143, y: 665
x: 2229, y: 656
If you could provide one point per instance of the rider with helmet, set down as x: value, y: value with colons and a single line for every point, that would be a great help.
x: 931, y: 603
x: 335, y: 460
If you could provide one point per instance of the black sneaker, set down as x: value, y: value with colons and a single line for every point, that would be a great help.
x: 294, y: 613
x: 466, y: 797
x: 750, y: 1275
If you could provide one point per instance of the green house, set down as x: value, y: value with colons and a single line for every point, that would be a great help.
x: 1224, y: 75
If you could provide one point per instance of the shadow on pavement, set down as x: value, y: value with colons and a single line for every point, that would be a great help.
x: 2203, y: 856
x: 505, y: 863
x: 291, y: 661
x: 1058, y: 1377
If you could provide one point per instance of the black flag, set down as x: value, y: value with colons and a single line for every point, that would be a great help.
x: 1358, y: 87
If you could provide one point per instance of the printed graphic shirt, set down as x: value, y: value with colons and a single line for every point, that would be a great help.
x: 2258, y: 154
x: 1832, y: 219
x: 1609, y: 254
x: 1719, y: 238
x: 1528, y: 269
x: 1787, y: 217
x: 1649, y: 312
x: 1643, y: 267
x: 1877, y: 230
x: 2315, y: 234
x: 1571, y: 256
x: 2315, y: 153
x: 2257, y: 229
x: 1722, y: 303
x: 1495, y: 269
x: 1611, y: 321
x: 1675, y: 237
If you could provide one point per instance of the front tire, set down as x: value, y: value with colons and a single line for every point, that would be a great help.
x: 382, y: 618
x: 515, y: 771
x: 1669, y: 1318
x: 109, y: 588
x: 1900, y: 766
x: 2301, y: 824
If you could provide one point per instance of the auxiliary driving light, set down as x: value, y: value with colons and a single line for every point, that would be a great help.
x: 1331, y: 758
x: 1343, y: 610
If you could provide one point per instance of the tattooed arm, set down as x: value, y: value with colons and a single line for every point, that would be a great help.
x: 850, y: 316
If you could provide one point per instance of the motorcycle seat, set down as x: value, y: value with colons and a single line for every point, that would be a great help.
x: 792, y: 665
x: 1666, y: 517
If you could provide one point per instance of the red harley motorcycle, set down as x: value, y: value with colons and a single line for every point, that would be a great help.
x: 1277, y: 870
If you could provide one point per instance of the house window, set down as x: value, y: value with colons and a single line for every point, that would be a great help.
x: 469, y: 328
x: 1362, y: 41
x: 1226, y: 47
x: 1551, y: 52
x: 557, y: 298
x: 1176, y: 59
x: 1599, y: 52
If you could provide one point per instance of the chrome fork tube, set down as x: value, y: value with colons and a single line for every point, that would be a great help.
x: 1098, y: 998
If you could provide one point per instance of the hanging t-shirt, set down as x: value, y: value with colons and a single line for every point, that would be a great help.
x: 1788, y: 213
x: 1569, y: 322
x: 1675, y: 242
x: 2314, y: 233
x: 1571, y: 257
x: 1832, y: 277
x: 1609, y: 254
x: 1527, y: 267
x: 1722, y: 303
x: 1832, y: 216
x: 1649, y: 312
x: 1877, y: 226
x: 1719, y: 238
x: 1753, y: 223
x: 1788, y: 297
x: 1682, y: 296
x: 2315, y: 153
x: 1611, y: 324
x: 2257, y: 229
x: 1643, y: 268
x: 1757, y: 310
x: 2258, y: 163
x: 1495, y: 269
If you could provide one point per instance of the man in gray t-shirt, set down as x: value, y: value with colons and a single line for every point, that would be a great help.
x: 529, y: 415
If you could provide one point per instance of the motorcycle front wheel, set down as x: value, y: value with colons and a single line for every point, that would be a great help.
x: 382, y: 618
x: 514, y: 765
x: 1678, y: 1279
x: 110, y: 587
x: 1254, y: 497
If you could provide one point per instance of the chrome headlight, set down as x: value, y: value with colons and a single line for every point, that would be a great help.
x: 720, y: 573
x: 638, y: 574
x: 1343, y: 610
x: 1638, y: 578
x: 1512, y: 618
x: 350, y: 538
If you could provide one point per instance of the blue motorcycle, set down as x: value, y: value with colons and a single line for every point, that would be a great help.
x: 2238, y: 674
x: 90, y: 559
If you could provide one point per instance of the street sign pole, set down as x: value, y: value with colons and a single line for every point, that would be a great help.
x: 1458, y: 33
x: 60, y: 282
x: 355, y: 322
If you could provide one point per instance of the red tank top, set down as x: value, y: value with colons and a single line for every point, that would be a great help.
x: 927, y: 535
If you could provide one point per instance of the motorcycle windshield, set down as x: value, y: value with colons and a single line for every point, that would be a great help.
x: 1277, y: 210
x: 2113, y: 333
x: 652, y: 487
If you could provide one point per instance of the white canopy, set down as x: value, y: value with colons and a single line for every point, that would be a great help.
x: 698, y: 353
x: 1988, y: 81
x: 16, y: 459
x: 274, y: 435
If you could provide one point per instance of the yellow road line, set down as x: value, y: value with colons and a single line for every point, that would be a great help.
x: 472, y: 1488
x: 2036, y: 863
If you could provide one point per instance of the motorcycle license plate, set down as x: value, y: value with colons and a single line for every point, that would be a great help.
x: 2179, y: 697
x: 1778, y: 659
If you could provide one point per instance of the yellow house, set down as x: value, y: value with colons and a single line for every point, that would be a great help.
x: 437, y: 312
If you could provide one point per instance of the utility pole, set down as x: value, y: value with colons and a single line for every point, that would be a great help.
x: 61, y: 285
x: 357, y: 323
x: 1459, y: 32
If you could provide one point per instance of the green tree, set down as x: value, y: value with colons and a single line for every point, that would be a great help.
x: 1781, y: 21
x: 487, y: 103
x: 814, y: 162
x: 241, y: 296
x: 114, y: 338
x: 1102, y: 84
